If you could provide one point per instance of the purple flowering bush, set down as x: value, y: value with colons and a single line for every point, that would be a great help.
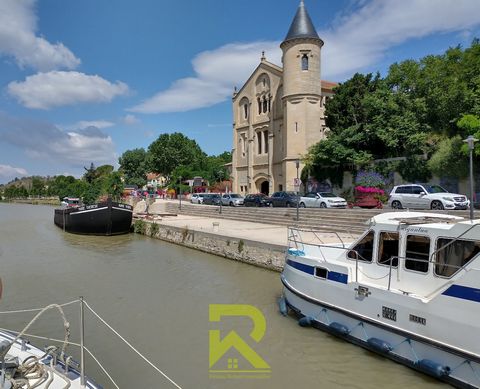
x: 369, y: 179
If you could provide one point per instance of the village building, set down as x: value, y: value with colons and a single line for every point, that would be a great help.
x: 279, y: 113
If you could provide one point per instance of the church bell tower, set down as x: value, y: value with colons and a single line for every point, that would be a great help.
x: 302, y: 90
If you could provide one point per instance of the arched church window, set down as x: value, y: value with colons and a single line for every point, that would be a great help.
x: 304, y: 62
x: 264, y: 82
x: 265, y: 105
x: 265, y: 141
x: 259, y: 106
x: 269, y: 103
x: 245, y: 110
x: 259, y: 141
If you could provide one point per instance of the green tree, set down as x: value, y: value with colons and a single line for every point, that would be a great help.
x: 134, y: 167
x: 450, y: 158
x: 90, y: 173
x: 38, y: 187
x: 172, y: 150
x: 114, y: 185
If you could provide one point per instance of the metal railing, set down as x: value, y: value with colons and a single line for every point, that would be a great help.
x: 68, y: 361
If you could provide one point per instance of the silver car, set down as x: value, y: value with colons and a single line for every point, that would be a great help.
x: 424, y: 196
x: 232, y: 199
x: 197, y: 198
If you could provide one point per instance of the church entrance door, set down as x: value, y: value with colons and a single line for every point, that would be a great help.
x: 264, y: 187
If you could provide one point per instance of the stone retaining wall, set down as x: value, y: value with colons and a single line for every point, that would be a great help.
x: 254, y: 253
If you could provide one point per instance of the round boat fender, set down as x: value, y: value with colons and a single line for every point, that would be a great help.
x: 339, y: 328
x: 282, y: 306
x: 434, y: 368
x: 380, y: 345
x: 305, y: 321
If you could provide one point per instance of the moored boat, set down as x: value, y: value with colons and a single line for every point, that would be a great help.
x: 104, y: 218
x: 408, y: 289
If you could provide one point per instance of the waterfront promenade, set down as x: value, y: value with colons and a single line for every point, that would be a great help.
x: 260, y: 244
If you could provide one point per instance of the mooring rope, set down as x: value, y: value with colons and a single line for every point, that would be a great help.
x: 38, y: 309
x: 66, y: 324
x: 130, y: 345
x: 101, y: 367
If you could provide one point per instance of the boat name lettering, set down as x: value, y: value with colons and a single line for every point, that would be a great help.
x: 389, y: 313
x: 417, y: 230
x: 93, y: 206
x: 418, y: 319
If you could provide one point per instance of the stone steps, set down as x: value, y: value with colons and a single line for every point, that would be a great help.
x: 337, y: 220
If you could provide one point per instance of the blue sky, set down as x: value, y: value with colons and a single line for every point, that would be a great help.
x: 83, y: 81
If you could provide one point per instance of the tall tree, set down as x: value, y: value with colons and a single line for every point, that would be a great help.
x: 134, y: 167
x: 172, y: 150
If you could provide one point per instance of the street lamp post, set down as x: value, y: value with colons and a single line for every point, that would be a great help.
x: 471, y: 144
x: 180, y: 191
x: 297, y: 187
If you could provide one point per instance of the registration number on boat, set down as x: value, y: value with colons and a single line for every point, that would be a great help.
x: 389, y: 313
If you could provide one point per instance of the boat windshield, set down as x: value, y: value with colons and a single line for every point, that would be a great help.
x: 435, y: 189
x: 327, y: 194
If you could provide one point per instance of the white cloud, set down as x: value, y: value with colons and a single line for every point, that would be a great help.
x: 10, y: 171
x: 18, y: 39
x: 359, y: 38
x: 44, y: 141
x: 217, y: 71
x: 58, y: 88
x: 130, y: 120
x: 82, y: 124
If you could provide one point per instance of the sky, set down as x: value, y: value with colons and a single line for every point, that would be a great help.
x: 84, y: 81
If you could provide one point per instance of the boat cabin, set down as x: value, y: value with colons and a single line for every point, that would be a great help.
x: 411, y: 253
x: 70, y: 202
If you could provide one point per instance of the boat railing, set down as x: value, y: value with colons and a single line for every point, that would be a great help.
x: 297, y: 236
x: 68, y: 361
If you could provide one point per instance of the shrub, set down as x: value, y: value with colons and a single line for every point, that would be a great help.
x: 139, y: 226
x: 370, y: 179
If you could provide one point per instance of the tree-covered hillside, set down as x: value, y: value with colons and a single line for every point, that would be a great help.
x: 415, y: 118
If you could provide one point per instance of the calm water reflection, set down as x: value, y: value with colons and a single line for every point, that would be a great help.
x: 157, y: 295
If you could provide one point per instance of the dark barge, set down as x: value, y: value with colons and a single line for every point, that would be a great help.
x: 104, y: 218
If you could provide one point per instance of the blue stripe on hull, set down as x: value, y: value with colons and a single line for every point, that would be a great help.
x: 463, y: 292
x: 332, y: 275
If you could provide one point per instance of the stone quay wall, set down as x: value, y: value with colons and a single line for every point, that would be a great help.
x: 264, y: 255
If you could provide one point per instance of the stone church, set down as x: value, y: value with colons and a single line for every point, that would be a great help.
x: 279, y: 113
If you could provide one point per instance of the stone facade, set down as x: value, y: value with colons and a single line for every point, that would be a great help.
x: 279, y: 113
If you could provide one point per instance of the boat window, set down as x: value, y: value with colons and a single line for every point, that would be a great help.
x: 417, y: 253
x: 363, y: 249
x: 321, y: 272
x: 388, y: 248
x: 453, y: 254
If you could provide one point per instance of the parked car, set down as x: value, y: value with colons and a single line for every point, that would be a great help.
x: 212, y: 199
x: 232, y: 199
x: 424, y: 196
x: 256, y: 200
x: 284, y: 199
x: 197, y: 198
x: 322, y: 200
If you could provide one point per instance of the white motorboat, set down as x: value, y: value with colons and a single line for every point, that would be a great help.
x: 408, y: 289
x: 24, y: 366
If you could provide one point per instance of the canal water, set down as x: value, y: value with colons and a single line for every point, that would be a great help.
x: 157, y: 295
